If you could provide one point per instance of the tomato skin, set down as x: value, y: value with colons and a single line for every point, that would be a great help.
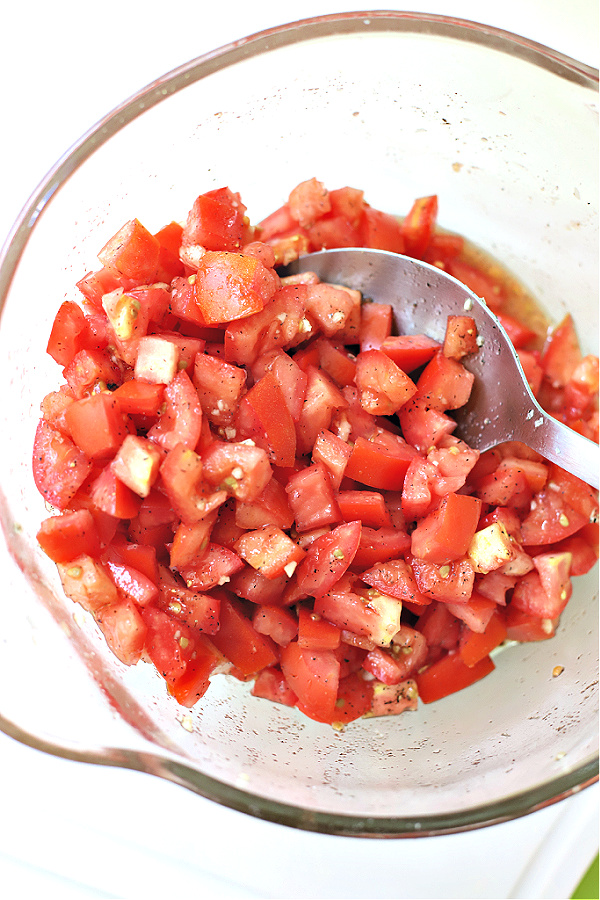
x: 475, y: 646
x: 313, y: 675
x: 70, y: 333
x: 327, y: 558
x: 445, y: 534
x: 124, y: 629
x: 132, y: 252
x: 270, y: 684
x: 450, y: 674
x: 239, y: 641
x: 270, y: 423
x: 417, y: 227
x: 72, y: 534
x: 381, y: 231
x: 410, y: 351
x: 381, y: 463
x: 311, y: 498
x: 59, y: 467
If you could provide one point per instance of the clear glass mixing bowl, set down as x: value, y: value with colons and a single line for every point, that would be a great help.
x: 401, y: 105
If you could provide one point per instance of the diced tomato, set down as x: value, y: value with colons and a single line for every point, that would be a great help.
x: 450, y: 674
x: 475, y: 613
x: 559, y: 510
x: 110, y: 495
x: 461, y: 337
x: 241, y: 469
x: 368, y: 506
x: 139, y: 398
x: 263, y: 415
x: 376, y: 327
x: 321, y: 401
x: 561, y: 354
x: 85, y: 581
x: 396, y: 578
x: 215, y: 568
x: 482, y: 283
x: 219, y: 385
x: 270, y: 551
x: 450, y: 582
x: 313, y: 675
x: 381, y: 231
x: 308, y: 202
x: 72, y: 534
x: 270, y: 684
x: 354, y: 699
x: 380, y: 545
x: 418, y: 225
x: 128, y: 579
x: 169, y: 643
x: 474, y: 646
x: 249, y: 584
x: 132, y: 252
x: 70, y: 333
x: 327, y: 558
x: 368, y: 613
x: 91, y: 370
x: 239, y: 641
x: 231, y: 286
x: 216, y: 221
x: 391, y: 700
x: 523, y: 626
x: 380, y: 463
x: 446, y: 533
x: 124, y: 629
x: 312, y: 499
x: 181, y: 420
x: 194, y: 682
x: 410, y: 351
x: 382, y: 386
x: 277, y: 622
x: 332, y: 452
x: 59, y: 467
x: 439, y: 627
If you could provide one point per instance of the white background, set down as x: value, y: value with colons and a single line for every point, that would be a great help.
x: 68, y: 830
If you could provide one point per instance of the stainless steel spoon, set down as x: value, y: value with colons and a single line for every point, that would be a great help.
x: 502, y: 406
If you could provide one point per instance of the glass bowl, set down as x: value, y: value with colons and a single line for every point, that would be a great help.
x: 400, y: 105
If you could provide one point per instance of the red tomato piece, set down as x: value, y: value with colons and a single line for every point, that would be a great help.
x: 220, y: 386
x: 124, y: 630
x: 181, y: 420
x: 70, y: 535
x: 523, y: 626
x: 380, y: 545
x: 410, y: 351
x: 129, y: 580
x: 198, y: 611
x: 308, y: 201
x: 559, y: 510
x: 450, y: 582
x: 396, y: 578
x: 270, y: 684
x: 111, y: 496
x: 354, y: 699
x: 376, y: 326
x: 239, y: 641
x: 446, y: 533
x: 311, y: 498
x: 216, y: 221
x: 195, y: 681
x: 368, y: 506
x: 380, y: 463
x: 96, y: 425
x: 381, y: 231
x: 290, y: 377
x: 382, y: 386
x: 181, y: 474
x: 475, y: 613
x: 263, y: 415
x: 89, y: 370
x: 278, y: 623
x: 483, y: 284
x: 270, y: 551
x: 132, y: 252
x: 333, y: 453
x: 59, y: 467
x: 315, y: 632
x: 231, y: 286
x: 313, y: 675
x: 474, y: 646
x: 418, y: 225
x: 169, y: 643
x: 70, y: 333
x: 327, y: 558
x: 561, y: 354
x: 241, y: 469
x: 461, y: 337
x: 215, y: 568
x: 139, y: 398
x: 368, y: 613
x: 321, y: 401
x: 249, y: 584
x: 450, y: 674
x: 271, y: 507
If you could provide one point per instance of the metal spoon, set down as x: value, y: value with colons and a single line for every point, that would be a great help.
x: 502, y: 406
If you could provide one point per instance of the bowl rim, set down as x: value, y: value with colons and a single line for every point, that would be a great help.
x: 171, y: 766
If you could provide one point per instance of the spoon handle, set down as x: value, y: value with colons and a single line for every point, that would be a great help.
x: 561, y: 445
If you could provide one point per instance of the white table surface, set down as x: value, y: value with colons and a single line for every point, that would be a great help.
x: 69, y: 830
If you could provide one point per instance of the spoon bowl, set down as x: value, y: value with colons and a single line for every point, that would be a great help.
x: 502, y: 406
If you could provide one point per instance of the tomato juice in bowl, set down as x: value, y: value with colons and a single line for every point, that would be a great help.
x: 524, y: 737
